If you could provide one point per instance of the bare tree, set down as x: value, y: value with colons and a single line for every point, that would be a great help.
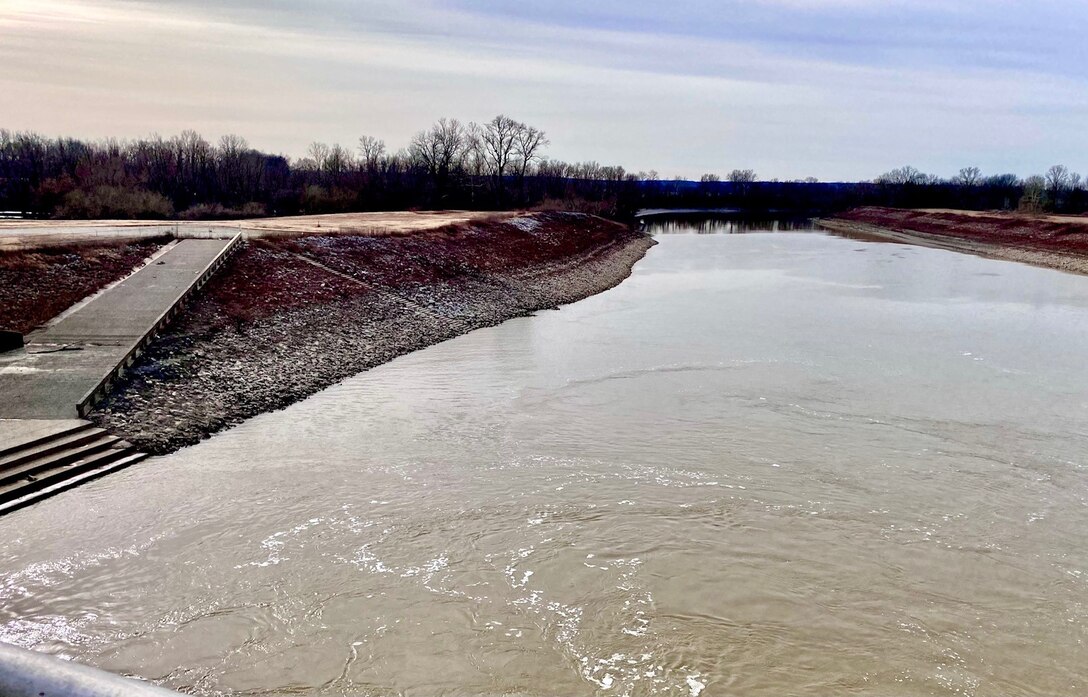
x: 1005, y: 181
x: 552, y: 169
x: 193, y: 157
x: 338, y: 161
x: 499, y: 137
x: 439, y: 150
x: 1034, y: 198
x: 371, y: 150
x: 906, y: 175
x: 319, y: 153
x: 232, y: 145
x: 969, y: 176
x: 1057, y: 178
x: 742, y: 176
x: 709, y: 177
x: 528, y: 142
x: 229, y: 156
x: 475, y: 158
x: 586, y: 170
x: 613, y: 173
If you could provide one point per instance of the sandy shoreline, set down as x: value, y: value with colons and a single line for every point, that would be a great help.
x: 289, y: 318
x: 1070, y: 262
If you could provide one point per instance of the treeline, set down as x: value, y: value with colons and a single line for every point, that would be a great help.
x: 496, y: 165
x: 1058, y: 190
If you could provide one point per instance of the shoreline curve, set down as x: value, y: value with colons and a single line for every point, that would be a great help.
x: 290, y: 317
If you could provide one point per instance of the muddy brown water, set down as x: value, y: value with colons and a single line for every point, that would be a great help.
x: 769, y: 463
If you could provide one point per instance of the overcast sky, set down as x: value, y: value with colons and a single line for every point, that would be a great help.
x: 836, y: 89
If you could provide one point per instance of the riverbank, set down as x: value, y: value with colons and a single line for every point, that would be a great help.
x: 36, y: 285
x: 290, y: 317
x: 1057, y: 242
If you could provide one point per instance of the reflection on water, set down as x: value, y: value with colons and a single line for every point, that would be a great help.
x: 722, y: 225
x: 766, y: 464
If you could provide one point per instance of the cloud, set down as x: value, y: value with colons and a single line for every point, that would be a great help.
x: 840, y: 89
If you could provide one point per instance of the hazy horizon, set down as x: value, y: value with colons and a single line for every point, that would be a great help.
x: 838, y: 90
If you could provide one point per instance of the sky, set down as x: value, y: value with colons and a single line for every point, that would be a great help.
x: 833, y: 89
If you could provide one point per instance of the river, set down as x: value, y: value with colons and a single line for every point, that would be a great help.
x: 779, y: 462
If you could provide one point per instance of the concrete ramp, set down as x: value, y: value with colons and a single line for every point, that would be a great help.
x: 125, y: 313
x: 69, y: 365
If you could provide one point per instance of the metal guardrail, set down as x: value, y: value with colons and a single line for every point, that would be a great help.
x: 26, y: 673
x: 99, y: 391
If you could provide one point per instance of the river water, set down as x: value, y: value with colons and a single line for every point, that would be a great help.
x: 770, y: 463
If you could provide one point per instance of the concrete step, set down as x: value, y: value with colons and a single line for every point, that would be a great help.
x: 50, y: 480
x: 54, y: 444
x: 31, y: 468
x: 30, y: 434
x: 55, y: 486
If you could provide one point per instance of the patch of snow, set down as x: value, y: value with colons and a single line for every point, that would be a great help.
x: 524, y: 223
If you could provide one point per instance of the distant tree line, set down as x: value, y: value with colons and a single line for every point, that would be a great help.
x: 1058, y: 190
x: 500, y: 164
x: 496, y: 165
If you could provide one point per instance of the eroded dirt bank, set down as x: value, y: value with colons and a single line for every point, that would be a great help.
x: 1051, y: 241
x: 288, y: 318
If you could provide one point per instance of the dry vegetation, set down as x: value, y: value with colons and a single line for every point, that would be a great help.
x: 37, y: 285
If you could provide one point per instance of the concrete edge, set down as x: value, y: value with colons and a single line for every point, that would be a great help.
x: 84, y: 406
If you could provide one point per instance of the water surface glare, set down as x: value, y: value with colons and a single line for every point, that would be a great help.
x: 767, y: 464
